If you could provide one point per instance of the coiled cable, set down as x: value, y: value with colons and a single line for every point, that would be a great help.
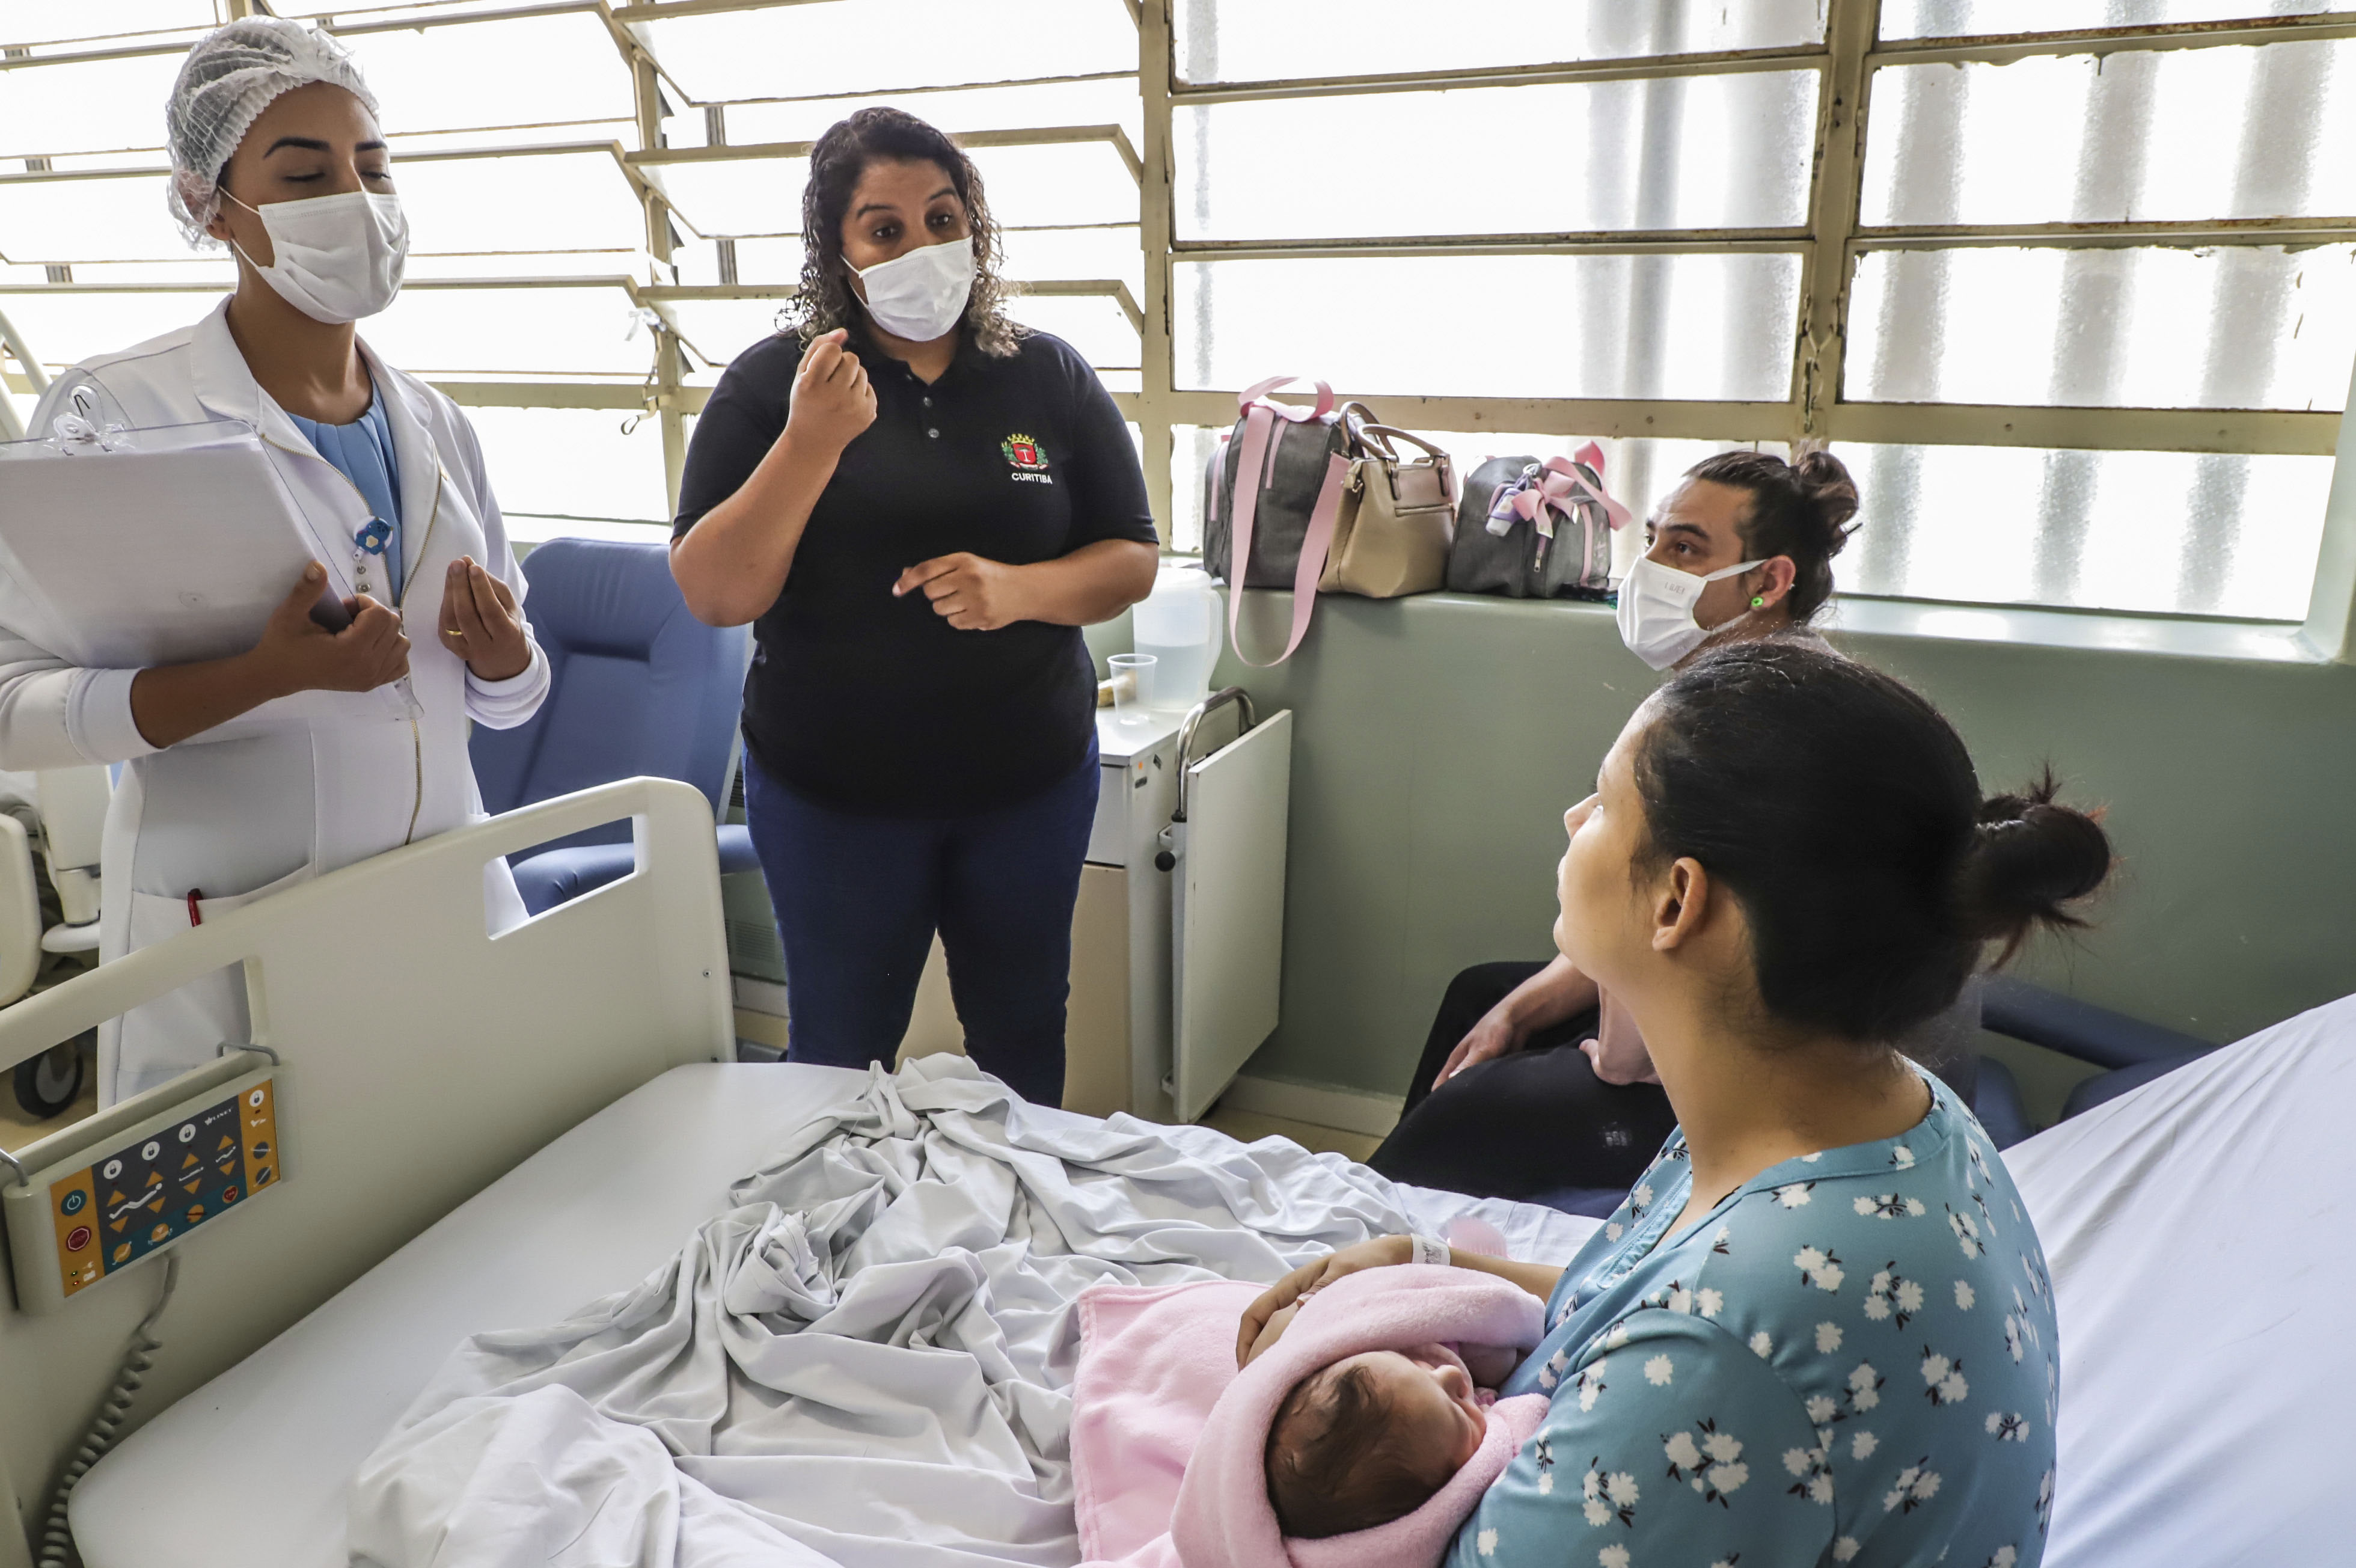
x: 56, y: 1538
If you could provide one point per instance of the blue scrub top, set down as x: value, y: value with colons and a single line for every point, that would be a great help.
x: 1851, y: 1360
x: 362, y: 452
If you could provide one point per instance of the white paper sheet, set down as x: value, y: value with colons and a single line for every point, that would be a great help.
x: 174, y: 547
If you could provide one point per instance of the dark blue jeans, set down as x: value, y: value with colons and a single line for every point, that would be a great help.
x: 858, y: 899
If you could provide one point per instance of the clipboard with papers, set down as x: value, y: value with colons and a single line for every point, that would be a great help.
x: 140, y: 547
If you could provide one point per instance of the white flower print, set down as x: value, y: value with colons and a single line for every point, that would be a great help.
x: 1713, y: 1467
x: 1811, y: 1468
x: 1546, y: 1483
x: 1794, y: 1196
x: 1916, y: 1484
x: 1487, y: 1541
x: 1964, y: 1297
x: 1812, y: 1159
x: 1893, y: 1293
x: 1889, y: 1206
x: 1903, y: 1157
x: 1721, y: 1242
x: 2002, y: 1557
x: 1606, y: 1496
x: 1614, y: 1556
x: 1846, y: 1549
x: 1678, y: 1298
x: 1710, y: 1302
x: 1556, y: 1366
x: 2044, y: 1502
x: 1591, y: 1383
x: 1822, y: 1408
x: 1862, y: 1446
x: 1944, y: 1377
x: 1762, y: 1345
x: 2012, y: 1342
x: 1828, y: 1338
x: 1640, y: 1199
x: 1658, y: 1371
x: 1865, y: 1387
x: 2006, y: 1428
x: 1967, y: 1233
x: 1819, y: 1268
x: 1618, y: 1337
x: 1614, y: 1232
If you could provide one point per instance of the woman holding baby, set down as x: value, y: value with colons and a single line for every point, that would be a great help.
x: 1820, y: 1328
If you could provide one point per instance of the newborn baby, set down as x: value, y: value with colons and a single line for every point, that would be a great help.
x: 1371, y: 1438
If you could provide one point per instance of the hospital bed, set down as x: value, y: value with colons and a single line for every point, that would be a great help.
x: 555, y: 1111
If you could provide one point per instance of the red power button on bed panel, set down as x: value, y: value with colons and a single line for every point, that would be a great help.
x: 78, y: 1238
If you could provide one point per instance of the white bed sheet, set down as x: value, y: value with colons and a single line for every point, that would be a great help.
x: 2199, y: 1232
x: 252, y: 1469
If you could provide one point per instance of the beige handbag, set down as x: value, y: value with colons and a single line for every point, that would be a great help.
x: 1397, y: 519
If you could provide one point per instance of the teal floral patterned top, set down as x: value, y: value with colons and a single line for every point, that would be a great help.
x: 1851, y: 1359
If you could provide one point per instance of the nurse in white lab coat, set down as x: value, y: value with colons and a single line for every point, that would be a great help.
x: 249, y: 774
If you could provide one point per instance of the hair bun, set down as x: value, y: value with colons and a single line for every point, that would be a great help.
x: 1831, y: 493
x: 2030, y: 860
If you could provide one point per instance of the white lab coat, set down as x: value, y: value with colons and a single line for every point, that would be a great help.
x: 299, y: 785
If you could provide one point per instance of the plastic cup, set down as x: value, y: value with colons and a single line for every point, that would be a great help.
x: 1132, y: 685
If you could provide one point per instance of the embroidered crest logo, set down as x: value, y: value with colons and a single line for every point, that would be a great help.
x: 1025, y: 457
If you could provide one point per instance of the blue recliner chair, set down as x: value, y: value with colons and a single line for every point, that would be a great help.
x: 641, y: 687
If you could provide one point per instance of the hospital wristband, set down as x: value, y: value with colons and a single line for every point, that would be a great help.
x: 1431, y: 1250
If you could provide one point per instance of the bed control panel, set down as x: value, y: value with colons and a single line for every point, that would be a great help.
x: 112, y: 1191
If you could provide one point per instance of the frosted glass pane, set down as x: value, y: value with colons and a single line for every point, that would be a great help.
x: 1256, y: 40
x: 2237, y: 326
x: 1704, y: 327
x: 2123, y: 530
x: 572, y: 462
x: 33, y: 22
x: 495, y: 332
x: 557, y: 201
x: 1110, y: 102
x: 1722, y: 152
x: 1076, y: 183
x: 59, y: 222
x: 535, y: 70
x: 66, y: 328
x: 856, y: 44
x: 720, y: 329
x: 1097, y: 327
x: 1967, y: 18
x: 2188, y: 134
x: 47, y: 110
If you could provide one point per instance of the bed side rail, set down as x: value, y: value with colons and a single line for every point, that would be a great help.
x: 420, y: 1058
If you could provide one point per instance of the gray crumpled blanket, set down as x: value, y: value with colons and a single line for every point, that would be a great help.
x: 868, y: 1362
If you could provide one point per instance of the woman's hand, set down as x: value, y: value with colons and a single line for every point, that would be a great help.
x: 1260, y: 1328
x: 1498, y: 1034
x: 479, y: 623
x: 969, y: 592
x: 832, y: 402
x: 172, y: 702
x: 297, y: 654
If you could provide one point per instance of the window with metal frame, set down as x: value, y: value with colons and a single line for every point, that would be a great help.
x: 2071, y: 287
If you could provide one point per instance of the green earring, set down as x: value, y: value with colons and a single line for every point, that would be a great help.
x: 1758, y: 601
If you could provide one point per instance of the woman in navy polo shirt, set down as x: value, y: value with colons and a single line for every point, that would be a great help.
x: 918, y: 504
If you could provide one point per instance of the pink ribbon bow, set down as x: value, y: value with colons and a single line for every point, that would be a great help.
x: 1559, y: 485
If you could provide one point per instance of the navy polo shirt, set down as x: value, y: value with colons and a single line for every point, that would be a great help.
x: 866, y: 703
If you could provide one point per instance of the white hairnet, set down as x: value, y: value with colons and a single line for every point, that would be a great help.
x: 228, y: 80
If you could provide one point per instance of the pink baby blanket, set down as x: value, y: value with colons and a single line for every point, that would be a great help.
x: 1168, y: 1441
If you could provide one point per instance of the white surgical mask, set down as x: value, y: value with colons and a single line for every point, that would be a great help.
x: 1656, y: 610
x: 921, y: 296
x: 339, y: 257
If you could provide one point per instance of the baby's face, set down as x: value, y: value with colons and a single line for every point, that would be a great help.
x: 1430, y: 1396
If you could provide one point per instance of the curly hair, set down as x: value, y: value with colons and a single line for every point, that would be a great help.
x: 837, y: 160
